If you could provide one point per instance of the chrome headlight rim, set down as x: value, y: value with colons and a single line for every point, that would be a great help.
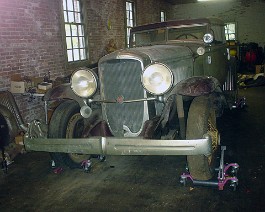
x: 208, y: 38
x: 88, y: 79
x: 162, y: 89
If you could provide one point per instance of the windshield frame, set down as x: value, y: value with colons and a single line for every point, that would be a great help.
x: 166, y: 36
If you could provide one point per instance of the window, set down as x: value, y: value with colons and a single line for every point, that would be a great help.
x: 74, y: 31
x: 162, y: 16
x: 130, y: 22
x: 230, y: 31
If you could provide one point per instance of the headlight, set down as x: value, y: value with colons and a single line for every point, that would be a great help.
x: 84, y: 82
x: 157, y: 78
x: 208, y: 38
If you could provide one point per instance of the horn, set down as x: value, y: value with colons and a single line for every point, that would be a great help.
x: 85, y: 111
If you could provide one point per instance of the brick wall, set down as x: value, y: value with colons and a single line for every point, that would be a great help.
x: 101, y: 11
x: 32, y: 43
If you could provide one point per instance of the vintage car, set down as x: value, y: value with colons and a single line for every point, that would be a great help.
x: 161, y: 96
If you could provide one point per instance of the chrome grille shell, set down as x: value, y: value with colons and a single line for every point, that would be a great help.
x: 121, y: 79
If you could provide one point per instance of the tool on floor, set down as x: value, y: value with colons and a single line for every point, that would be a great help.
x: 222, y: 178
x: 239, y: 103
x: 55, y: 169
x: 86, y: 164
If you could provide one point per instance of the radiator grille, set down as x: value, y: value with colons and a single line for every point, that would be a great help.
x: 122, y: 78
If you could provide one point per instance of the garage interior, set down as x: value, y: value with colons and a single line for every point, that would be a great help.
x: 33, y: 50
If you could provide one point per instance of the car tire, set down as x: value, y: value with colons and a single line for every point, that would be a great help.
x: 4, y: 132
x: 202, y: 120
x: 66, y: 122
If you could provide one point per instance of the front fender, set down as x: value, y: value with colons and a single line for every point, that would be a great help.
x: 63, y: 91
x: 196, y: 86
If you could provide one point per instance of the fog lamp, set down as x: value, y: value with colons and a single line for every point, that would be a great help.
x: 200, y: 51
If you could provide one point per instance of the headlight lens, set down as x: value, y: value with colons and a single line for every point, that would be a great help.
x: 208, y: 38
x: 157, y: 78
x: 84, y: 82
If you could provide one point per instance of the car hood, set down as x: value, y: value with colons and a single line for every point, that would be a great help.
x: 151, y: 54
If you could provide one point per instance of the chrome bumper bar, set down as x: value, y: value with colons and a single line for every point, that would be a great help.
x: 121, y: 146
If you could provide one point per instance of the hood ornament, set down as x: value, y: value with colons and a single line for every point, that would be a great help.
x: 120, y: 99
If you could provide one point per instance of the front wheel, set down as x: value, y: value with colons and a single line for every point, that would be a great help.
x: 202, y: 120
x: 66, y: 122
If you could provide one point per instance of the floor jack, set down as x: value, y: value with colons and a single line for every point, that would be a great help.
x: 222, y: 178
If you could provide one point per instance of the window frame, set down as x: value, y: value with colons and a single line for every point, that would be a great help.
x: 82, y: 24
x: 163, y: 16
x: 227, y: 33
x: 131, y: 18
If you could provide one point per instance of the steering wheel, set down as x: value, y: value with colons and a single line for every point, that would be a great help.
x: 186, y: 36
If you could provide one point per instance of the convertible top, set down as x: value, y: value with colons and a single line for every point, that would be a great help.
x: 201, y: 21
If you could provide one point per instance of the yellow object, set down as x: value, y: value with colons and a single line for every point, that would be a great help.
x: 232, y: 52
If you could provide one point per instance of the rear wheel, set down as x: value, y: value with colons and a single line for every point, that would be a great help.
x: 66, y: 122
x: 4, y: 132
x: 202, y: 120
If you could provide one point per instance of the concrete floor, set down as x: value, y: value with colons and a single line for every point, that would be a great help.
x: 145, y: 183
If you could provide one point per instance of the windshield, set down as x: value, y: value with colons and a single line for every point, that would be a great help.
x: 186, y: 33
x: 146, y: 38
x: 156, y: 36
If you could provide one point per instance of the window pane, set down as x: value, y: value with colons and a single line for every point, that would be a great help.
x: 232, y: 37
x: 77, y: 18
x: 70, y: 5
x: 67, y: 30
x: 65, y: 16
x: 129, y: 19
x: 127, y: 5
x: 81, y: 42
x: 74, y: 30
x: 69, y: 55
x: 162, y: 16
x: 69, y: 43
x: 64, y: 4
x: 75, y: 42
x: 76, y: 6
x: 80, y: 30
x: 76, y: 55
x: 71, y: 17
x: 231, y: 28
x: 82, y: 54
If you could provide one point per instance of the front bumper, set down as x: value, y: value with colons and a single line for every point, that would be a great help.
x: 121, y: 146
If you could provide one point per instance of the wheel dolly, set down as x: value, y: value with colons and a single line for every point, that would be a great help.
x: 222, y: 178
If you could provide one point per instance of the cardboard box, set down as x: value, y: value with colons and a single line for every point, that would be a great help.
x: 259, y: 69
x: 19, y: 139
x: 44, y: 86
x: 18, y: 87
